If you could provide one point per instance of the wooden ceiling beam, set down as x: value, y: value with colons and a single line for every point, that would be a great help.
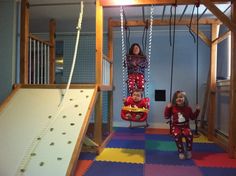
x: 133, y: 23
x: 220, y: 15
x: 106, y: 3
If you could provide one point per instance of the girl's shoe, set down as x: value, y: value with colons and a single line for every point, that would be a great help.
x: 138, y: 116
x: 188, y: 154
x: 181, y: 156
x: 128, y: 116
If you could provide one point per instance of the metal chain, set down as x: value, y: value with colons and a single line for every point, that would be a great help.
x: 149, y: 49
x: 124, y: 64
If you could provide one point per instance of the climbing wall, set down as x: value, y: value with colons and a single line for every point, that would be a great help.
x: 39, y: 134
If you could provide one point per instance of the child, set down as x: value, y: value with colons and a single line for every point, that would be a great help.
x: 136, y: 63
x: 135, y: 101
x: 181, y: 113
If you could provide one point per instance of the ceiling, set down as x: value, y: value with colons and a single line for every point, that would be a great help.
x: 67, y: 11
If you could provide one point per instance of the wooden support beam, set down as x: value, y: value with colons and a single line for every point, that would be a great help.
x: 24, y: 42
x: 110, y: 49
x: 98, y: 119
x: 222, y: 37
x: 99, y: 42
x: 220, y: 15
x: 99, y: 55
x: 212, y: 98
x: 110, y: 94
x: 205, y: 102
x: 52, y: 29
x: 149, y: 2
x: 232, y: 110
x: 159, y: 22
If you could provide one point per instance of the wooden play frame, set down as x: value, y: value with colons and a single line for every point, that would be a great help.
x: 209, y: 130
x: 97, y: 126
x: 229, y: 145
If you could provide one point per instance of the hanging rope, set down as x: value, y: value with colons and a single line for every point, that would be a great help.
x: 75, y: 54
x: 197, y: 5
x: 127, y: 31
x: 173, y: 52
x: 144, y: 38
x: 124, y: 64
x: 190, y: 25
x: 149, y: 49
x: 196, y: 121
x: 170, y: 26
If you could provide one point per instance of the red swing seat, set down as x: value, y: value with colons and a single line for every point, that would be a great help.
x: 143, y: 112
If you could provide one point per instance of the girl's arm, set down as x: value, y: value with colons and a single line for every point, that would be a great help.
x: 128, y: 101
x: 195, y: 114
x: 168, y: 111
x: 144, y: 62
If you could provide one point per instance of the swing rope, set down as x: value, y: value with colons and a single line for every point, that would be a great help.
x: 144, y: 38
x: 197, y: 58
x: 190, y: 25
x: 123, y: 48
x: 197, y: 5
x: 173, y: 49
x: 149, y: 49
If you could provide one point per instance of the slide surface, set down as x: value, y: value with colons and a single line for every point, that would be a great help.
x: 39, y: 137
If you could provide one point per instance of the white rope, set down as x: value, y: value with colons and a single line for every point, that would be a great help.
x: 124, y: 66
x: 149, y: 50
x: 30, y: 150
x: 75, y: 53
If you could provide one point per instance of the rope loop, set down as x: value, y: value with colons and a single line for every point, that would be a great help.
x: 149, y: 49
x: 124, y: 64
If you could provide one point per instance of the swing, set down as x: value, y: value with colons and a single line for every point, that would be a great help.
x: 197, y: 4
x: 143, y: 112
x: 135, y: 111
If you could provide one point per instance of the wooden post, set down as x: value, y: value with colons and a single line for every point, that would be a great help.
x: 24, y: 42
x: 232, y: 121
x: 52, y: 28
x: 99, y: 50
x: 110, y: 93
x: 212, y: 99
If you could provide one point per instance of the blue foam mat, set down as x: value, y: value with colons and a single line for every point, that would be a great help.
x: 159, y: 137
x: 100, y: 168
x: 129, y: 130
x: 130, y: 144
x: 207, y: 147
x: 169, y: 158
x: 218, y: 171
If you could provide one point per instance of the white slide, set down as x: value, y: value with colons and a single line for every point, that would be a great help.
x: 39, y: 138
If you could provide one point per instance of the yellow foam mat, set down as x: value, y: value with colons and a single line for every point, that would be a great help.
x: 122, y: 155
x: 201, y: 139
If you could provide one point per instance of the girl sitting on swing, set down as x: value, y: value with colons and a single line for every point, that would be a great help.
x: 136, y: 100
x: 181, y: 113
x: 136, y: 63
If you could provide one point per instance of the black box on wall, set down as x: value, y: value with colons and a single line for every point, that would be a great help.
x: 160, y: 95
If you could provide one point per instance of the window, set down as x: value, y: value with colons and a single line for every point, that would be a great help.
x: 59, y: 56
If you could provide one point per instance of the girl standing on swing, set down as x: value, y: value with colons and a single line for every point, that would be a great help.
x: 136, y: 63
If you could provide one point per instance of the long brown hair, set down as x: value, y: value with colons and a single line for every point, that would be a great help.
x: 132, y: 48
x: 175, y: 96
